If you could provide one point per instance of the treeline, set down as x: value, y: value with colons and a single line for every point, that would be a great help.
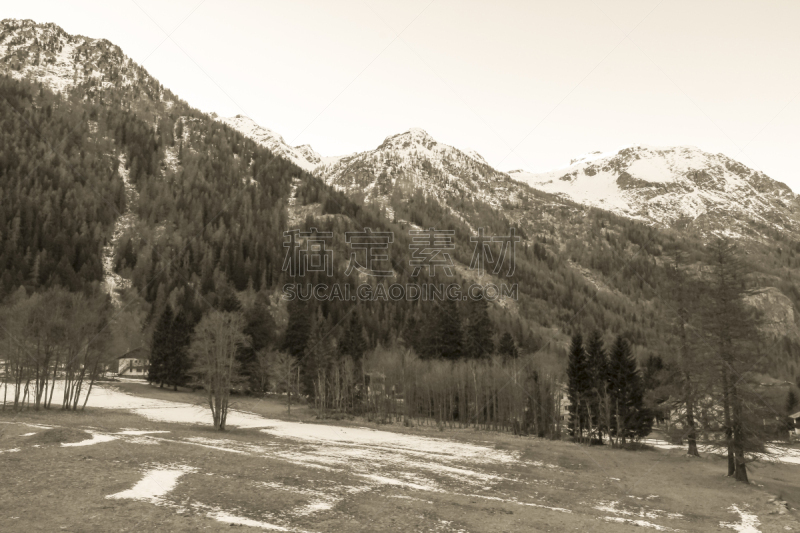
x: 336, y: 371
x: 55, y: 346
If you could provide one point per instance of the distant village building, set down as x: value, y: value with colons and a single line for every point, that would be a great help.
x: 795, y: 427
x: 134, y: 363
x: 564, y: 404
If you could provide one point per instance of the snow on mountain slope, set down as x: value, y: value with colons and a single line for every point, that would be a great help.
x: 48, y: 54
x: 674, y: 186
x: 303, y: 156
x: 415, y: 160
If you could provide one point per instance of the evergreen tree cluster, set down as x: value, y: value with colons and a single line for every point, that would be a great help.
x: 170, y: 363
x: 605, y: 391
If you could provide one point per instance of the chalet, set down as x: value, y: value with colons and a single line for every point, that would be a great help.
x: 795, y: 427
x: 133, y: 363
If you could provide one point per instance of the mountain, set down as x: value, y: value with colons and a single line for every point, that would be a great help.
x: 682, y: 187
x: 170, y: 181
x: 60, y: 61
x: 414, y: 162
x: 169, y: 204
x: 303, y: 156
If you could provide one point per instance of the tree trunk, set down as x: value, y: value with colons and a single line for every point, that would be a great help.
x: 728, y: 428
x: 692, y: 435
x: 91, y: 384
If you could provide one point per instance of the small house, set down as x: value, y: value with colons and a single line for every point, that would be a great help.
x: 795, y: 427
x: 133, y: 363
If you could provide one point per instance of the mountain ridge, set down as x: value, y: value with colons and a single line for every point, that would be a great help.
x: 676, y: 186
x: 187, y: 166
x: 667, y: 186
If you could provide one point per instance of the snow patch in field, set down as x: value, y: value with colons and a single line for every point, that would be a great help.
x: 228, y: 518
x: 391, y: 442
x: 775, y: 452
x: 640, y: 523
x: 383, y: 480
x: 28, y: 434
x: 517, y: 502
x: 342, y: 445
x: 319, y: 501
x: 155, y: 484
x: 97, y: 438
x: 748, y: 522
x: 10, y: 450
x: 783, y: 454
x: 138, y: 432
x: 404, y: 497
x: 162, y: 479
x: 613, y: 507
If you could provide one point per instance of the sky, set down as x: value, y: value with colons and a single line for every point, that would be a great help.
x: 527, y: 84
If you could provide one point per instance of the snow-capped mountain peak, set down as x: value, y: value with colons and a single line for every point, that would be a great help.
x: 48, y: 54
x: 414, y: 136
x: 668, y: 185
x: 303, y: 156
x: 414, y: 160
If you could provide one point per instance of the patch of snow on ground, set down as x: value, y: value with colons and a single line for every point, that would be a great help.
x: 97, y: 438
x: 155, y: 484
x: 640, y: 523
x: 517, y: 502
x: 138, y: 432
x: 748, y: 522
x: 775, y: 452
x: 615, y: 508
x: 228, y: 518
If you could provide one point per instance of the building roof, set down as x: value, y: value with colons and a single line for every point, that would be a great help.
x: 796, y: 415
x: 137, y: 353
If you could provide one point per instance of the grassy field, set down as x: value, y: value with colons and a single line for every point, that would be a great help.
x: 260, y: 478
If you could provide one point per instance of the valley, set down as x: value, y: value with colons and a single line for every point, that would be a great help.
x: 653, y: 329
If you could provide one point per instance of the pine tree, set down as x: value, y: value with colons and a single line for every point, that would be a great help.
x: 791, y: 407
x: 691, y: 365
x: 297, y: 330
x: 414, y: 337
x: 597, y: 380
x: 427, y: 339
x: 731, y: 331
x: 791, y: 402
x: 260, y: 329
x: 161, y: 346
x: 626, y: 390
x: 227, y: 301
x: 507, y: 346
x: 316, y: 362
x: 177, y: 362
x: 479, y: 341
x: 577, y: 386
x: 449, y: 331
x: 352, y: 342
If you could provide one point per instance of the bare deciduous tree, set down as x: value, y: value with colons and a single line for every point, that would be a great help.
x: 216, y: 339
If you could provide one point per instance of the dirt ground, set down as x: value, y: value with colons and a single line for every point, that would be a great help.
x: 113, y: 470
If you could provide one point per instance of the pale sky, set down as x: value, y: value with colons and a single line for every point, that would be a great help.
x: 526, y: 84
